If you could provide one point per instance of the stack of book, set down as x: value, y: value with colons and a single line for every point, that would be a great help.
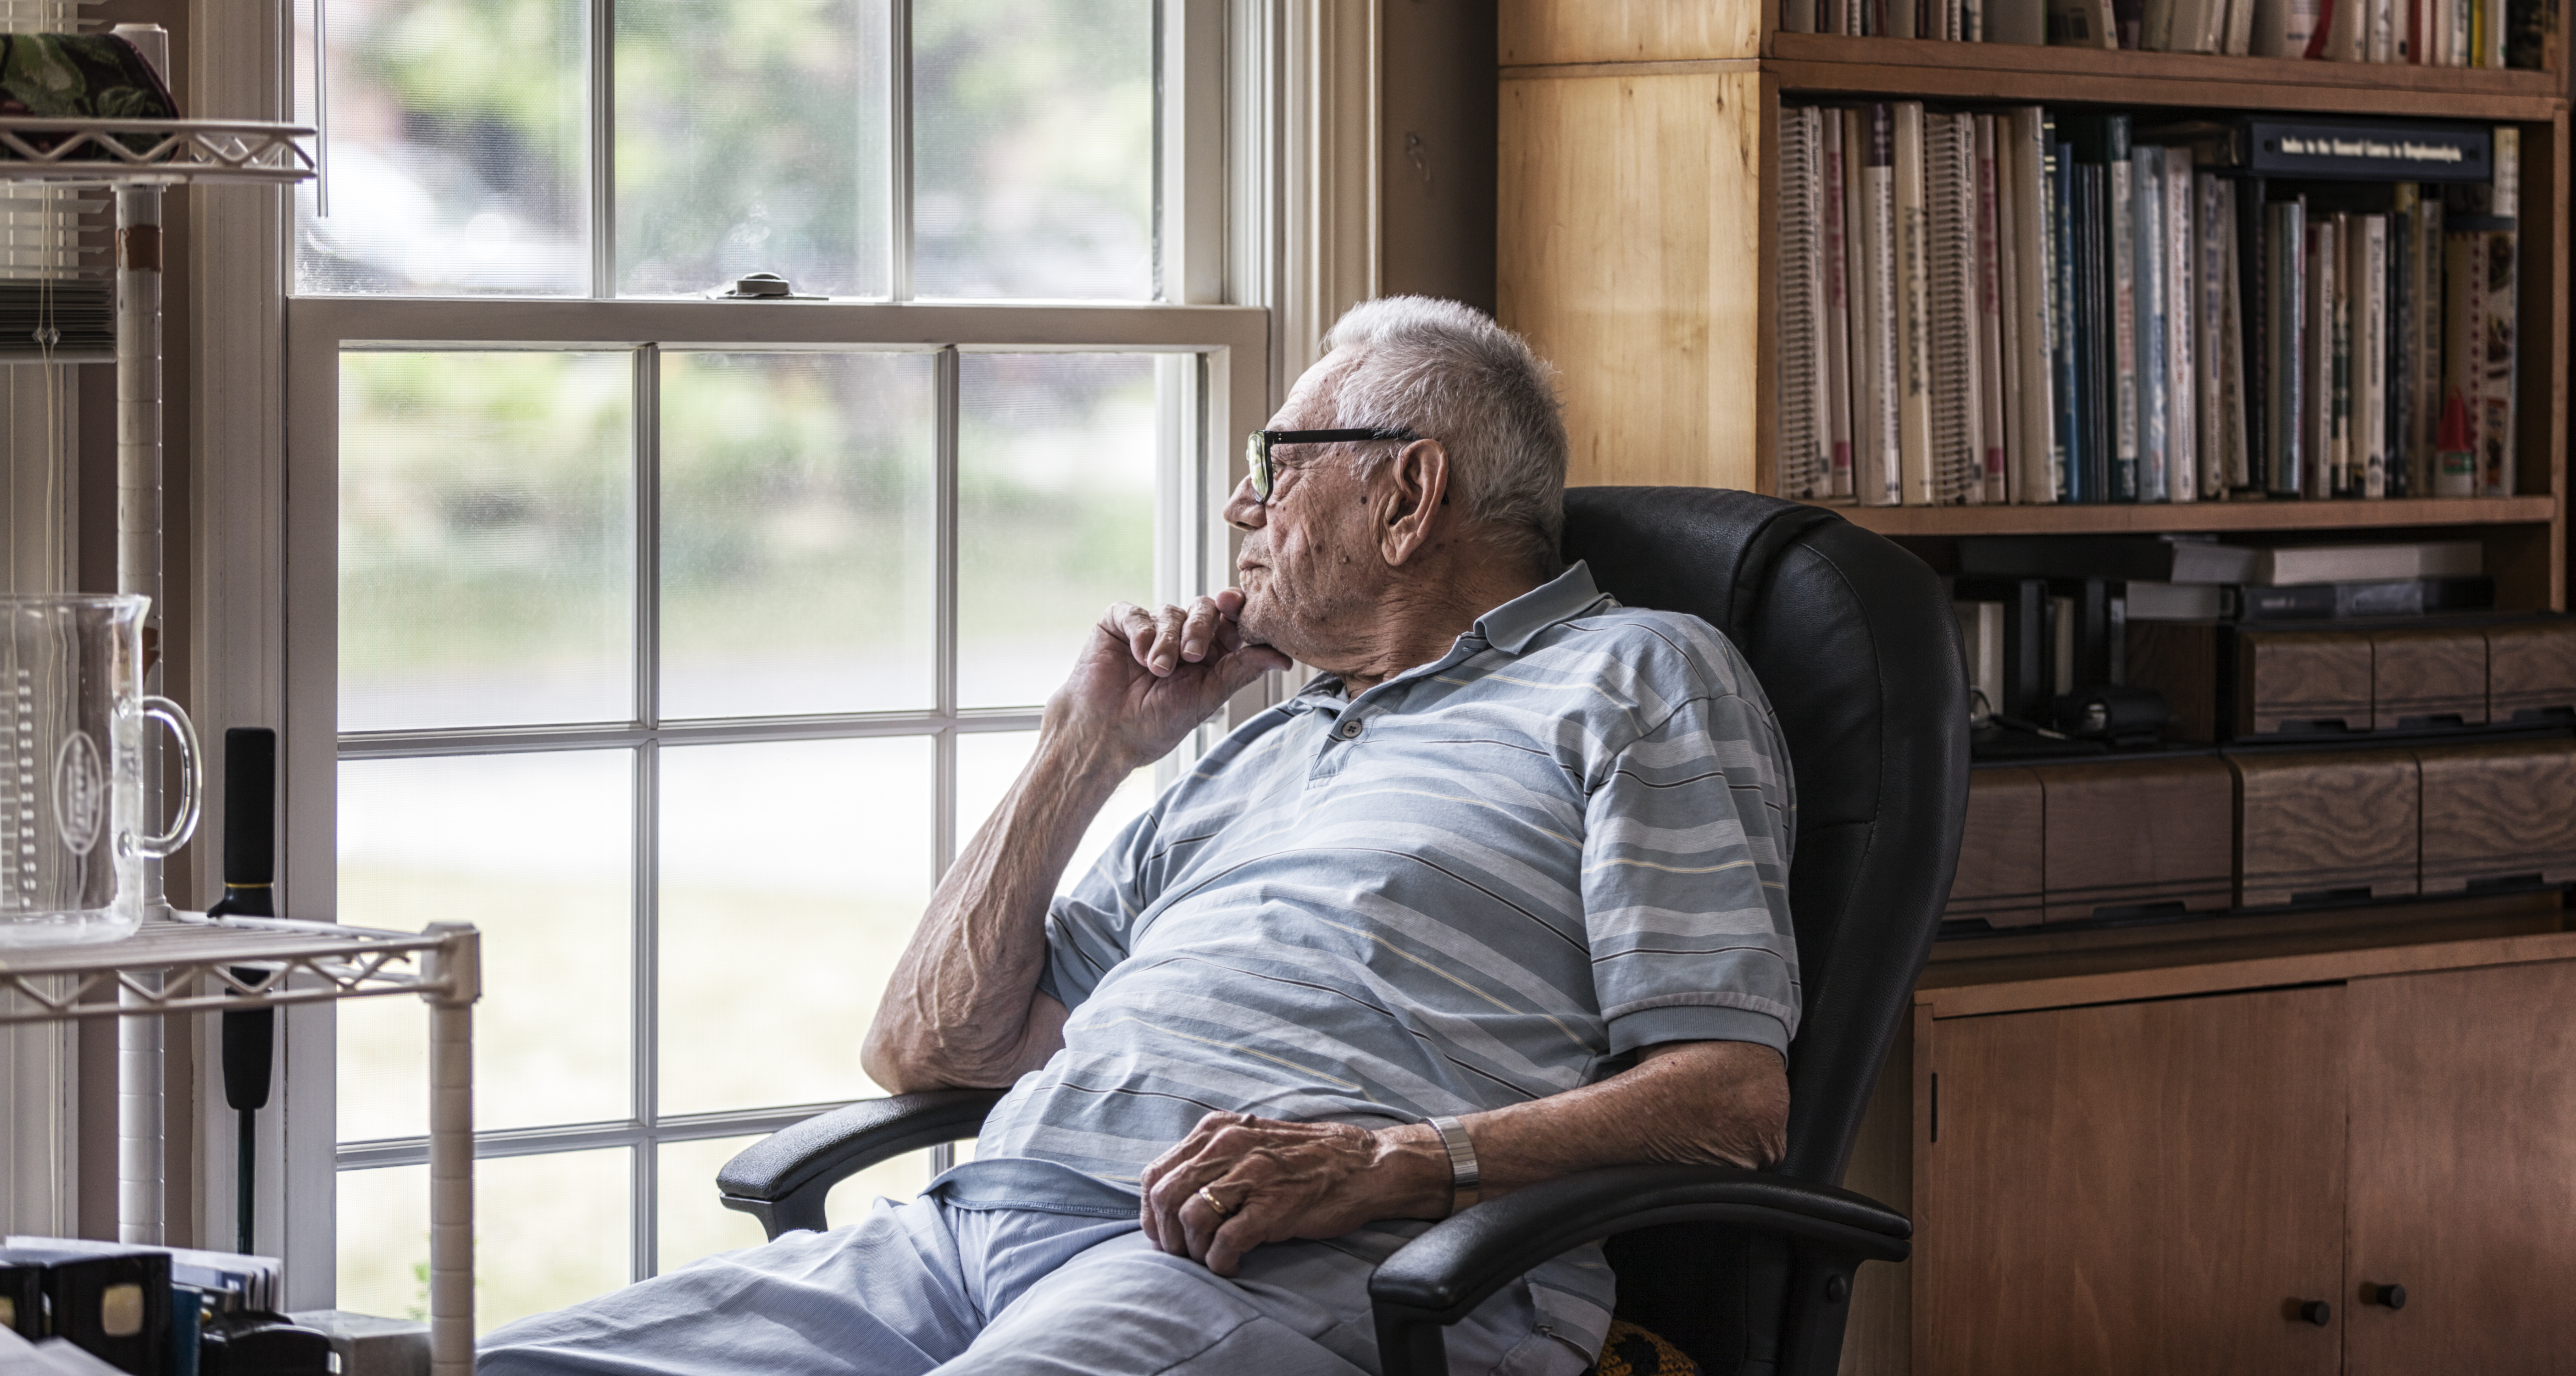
x: 2019, y: 306
x: 2427, y: 33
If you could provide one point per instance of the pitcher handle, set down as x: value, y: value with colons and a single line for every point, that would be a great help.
x: 191, y: 784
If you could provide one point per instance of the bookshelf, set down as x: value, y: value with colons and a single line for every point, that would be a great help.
x: 1637, y: 159
x: 1637, y: 167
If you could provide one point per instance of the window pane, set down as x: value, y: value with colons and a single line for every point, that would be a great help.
x: 796, y: 533
x: 534, y: 850
x: 548, y: 1231
x: 457, y: 153
x: 792, y: 874
x: 1056, y: 470
x: 691, y: 1224
x: 989, y: 761
x: 487, y: 539
x: 751, y: 137
x: 1033, y: 138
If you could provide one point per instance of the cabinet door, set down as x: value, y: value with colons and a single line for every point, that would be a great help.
x: 2464, y: 1171
x: 2145, y: 1188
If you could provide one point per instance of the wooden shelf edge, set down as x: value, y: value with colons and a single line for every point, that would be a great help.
x: 2223, y: 976
x: 2161, y: 517
x: 2371, y: 80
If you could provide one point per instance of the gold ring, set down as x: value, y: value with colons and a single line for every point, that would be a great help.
x: 1222, y: 1210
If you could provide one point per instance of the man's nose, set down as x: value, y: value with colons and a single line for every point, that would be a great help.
x: 1244, y: 511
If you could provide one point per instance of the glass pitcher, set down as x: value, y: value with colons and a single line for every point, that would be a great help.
x: 72, y: 717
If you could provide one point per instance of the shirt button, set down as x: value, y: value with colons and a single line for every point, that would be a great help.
x: 1348, y: 730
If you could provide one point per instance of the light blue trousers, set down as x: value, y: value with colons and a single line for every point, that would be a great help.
x: 931, y: 1286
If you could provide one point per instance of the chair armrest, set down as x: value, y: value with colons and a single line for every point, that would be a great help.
x: 1437, y: 1278
x: 782, y: 1178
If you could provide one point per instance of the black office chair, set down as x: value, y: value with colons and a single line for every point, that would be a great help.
x: 1746, y: 1271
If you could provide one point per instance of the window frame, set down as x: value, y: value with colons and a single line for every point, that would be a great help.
x: 1216, y: 239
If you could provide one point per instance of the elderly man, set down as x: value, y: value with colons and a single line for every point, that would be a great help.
x: 1499, y: 896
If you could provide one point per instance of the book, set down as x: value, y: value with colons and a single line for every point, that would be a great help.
x: 2181, y: 297
x: 2398, y: 443
x: 1798, y: 16
x: 2008, y: 307
x: 2147, y: 221
x: 2495, y: 250
x: 2284, y: 28
x: 1981, y: 638
x: 1805, y: 462
x: 2379, y: 42
x: 2083, y: 24
x: 2319, y: 251
x: 2429, y: 327
x: 1913, y: 308
x: 1877, y: 475
x: 2343, y: 32
x: 1837, y: 303
x: 2016, y: 21
x: 2367, y: 254
x: 2151, y: 601
x: 2025, y: 640
x: 2087, y: 210
x: 2338, y: 149
x: 2362, y: 563
x: 1949, y: 180
x: 2239, y: 40
x: 2285, y: 312
x: 2130, y: 558
x: 2108, y: 137
x: 1994, y: 387
x: 2393, y: 597
x: 2041, y: 456
x: 2472, y: 252
x: 2069, y: 351
x: 2225, y: 463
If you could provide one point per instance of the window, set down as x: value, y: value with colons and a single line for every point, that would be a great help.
x: 679, y: 643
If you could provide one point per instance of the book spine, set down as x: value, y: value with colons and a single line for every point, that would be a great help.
x: 2319, y: 253
x: 2239, y: 435
x: 1881, y: 482
x: 2041, y: 459
x: 1836, y: 250
x: 2431, y: 324
x: 2147, y: 202
x: 2398, y: 445
x: 2182, y: 409
x: 1994, y: 394
x: 2101, y: 332
x: 2067, y: 352
x: 2209, y: 319
x: 1949, y: 314
x: 2346, y: 480
x: 1913, y: 308
x: 2370, y: 352
x: 2497, y: 249
x: 2121, y: 227
x: 2464, y: 305
x: 1798, y: 16
x: 2285, y: 319
x: 2381, y: 44
x: 1802, y: 460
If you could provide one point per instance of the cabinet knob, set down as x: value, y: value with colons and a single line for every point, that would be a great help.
x: 2317, y: 1312
x: 2394, y: 1296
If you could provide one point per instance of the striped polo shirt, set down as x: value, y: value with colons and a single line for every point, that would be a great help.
x: 1485, y: 880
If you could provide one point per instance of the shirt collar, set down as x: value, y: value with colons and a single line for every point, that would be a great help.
x: 1509, y: 628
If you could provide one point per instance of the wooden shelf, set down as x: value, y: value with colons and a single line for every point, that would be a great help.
x: 2019, y: 73
x: 2156, y: 517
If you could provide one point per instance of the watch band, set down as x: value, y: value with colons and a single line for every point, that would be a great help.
x: 1464, y: 1177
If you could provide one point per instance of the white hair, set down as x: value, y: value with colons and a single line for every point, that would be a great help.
x: 1450, y: 373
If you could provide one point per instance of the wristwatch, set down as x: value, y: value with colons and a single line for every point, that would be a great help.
x: 1463, y: 1175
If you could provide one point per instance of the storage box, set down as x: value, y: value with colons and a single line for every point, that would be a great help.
x: 2314, y: 824
x: 2302, y: 681
x: 2428, y: 676
x: 2499, y: 811
x: 1998, y: 880
x: 2531, y: 669
x: 2136, y: 835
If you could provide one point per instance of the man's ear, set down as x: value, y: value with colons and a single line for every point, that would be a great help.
x: 1411, y: 491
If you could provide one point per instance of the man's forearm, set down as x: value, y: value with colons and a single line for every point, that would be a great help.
x: 1688, y: 1103
x: 962, y: 1008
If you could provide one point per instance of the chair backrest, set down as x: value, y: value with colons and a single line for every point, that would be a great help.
x: 1858, y: 649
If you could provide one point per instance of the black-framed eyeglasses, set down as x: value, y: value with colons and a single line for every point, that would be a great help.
x: 1256, y: 449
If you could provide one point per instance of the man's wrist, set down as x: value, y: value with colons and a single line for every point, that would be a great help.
x: 1416, y: 1166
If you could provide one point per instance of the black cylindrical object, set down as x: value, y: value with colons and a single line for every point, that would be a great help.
x: 250, y: 872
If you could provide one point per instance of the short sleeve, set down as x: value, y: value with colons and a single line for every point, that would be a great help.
x: 1087, y: 929
x: 1686, y: 881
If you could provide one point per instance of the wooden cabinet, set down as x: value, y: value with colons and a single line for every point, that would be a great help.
x: 2159, y: 1168
x: 2463, y: 1174
x: 2101, y: 1200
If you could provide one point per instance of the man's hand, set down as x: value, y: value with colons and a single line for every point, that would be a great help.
x: 1276, y: 1181
x: 1147, y: 677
